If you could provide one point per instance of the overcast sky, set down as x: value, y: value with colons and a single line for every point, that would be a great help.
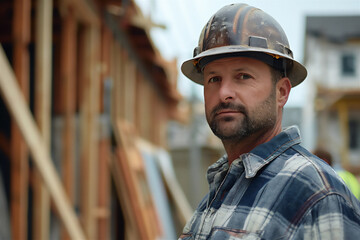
x: 184, y: 20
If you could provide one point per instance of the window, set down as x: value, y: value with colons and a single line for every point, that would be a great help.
x: 354, y: 135
x: 348, y: 64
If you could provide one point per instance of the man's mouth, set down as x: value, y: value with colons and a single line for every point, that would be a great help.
x: 227, y: 112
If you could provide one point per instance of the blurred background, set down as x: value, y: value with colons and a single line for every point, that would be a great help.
x: 102, y: 137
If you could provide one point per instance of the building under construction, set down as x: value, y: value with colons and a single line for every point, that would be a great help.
x: 85, y: 100
x: 332, y: 112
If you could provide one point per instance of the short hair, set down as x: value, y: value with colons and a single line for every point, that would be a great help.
x: 276, y: 74
x: 324, y: 155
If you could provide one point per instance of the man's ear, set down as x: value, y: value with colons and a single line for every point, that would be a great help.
x: 283, y: 88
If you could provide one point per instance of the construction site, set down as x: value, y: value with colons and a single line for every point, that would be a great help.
x: 96, y: 140
x: 84, y: 105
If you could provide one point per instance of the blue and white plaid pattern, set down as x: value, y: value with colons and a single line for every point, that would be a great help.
x: 277, y: 191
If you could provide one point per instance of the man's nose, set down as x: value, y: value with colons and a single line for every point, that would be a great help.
x: 227, y: 91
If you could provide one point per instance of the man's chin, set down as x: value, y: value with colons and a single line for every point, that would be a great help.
x: 228, y: 133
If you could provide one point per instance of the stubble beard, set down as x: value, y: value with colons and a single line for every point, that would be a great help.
x: 260, y: 119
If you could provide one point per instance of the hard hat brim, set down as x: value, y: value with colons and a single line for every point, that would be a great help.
x: 296, y: 74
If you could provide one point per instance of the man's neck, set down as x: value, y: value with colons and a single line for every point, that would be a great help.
x: 235, y: 148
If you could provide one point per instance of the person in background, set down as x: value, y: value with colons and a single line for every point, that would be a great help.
x: 349, y: 179
x: 266, y: 186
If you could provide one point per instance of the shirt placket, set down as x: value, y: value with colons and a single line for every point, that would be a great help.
x: 208, y: 218
x: 209, y: 214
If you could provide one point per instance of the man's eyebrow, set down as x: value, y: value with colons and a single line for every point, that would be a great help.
x: 241, y: 69
x: 211, y: 72
x: 247, y: 70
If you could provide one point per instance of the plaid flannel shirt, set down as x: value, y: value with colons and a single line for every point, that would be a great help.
x: 277, y: 191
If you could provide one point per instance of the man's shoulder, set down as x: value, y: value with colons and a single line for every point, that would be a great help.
x: 301, y: 182
x: 297, y: 162
x: 308, y: 176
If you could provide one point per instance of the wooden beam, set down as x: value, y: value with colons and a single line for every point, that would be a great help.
x: 135, y: 189
x: 105, y: 64
x: 84, y: 12
x: 138, y: 102
x: 68, y: 100
x: 43, y: 69
x: 120, y: 178
x: 181, y: 204
x: 104, y: 190
x: 19, y: 151
x: 104, y: 183
x: 89, y: 110
x: 5, y: 145
x: 121, y: 82
x: 129, y: 90
x: 21, y: 114
x: 118, y: 91
x: 344, y: 128
x: 125, y: 181
x: 115, y: 76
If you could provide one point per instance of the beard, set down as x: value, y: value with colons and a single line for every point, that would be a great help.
x: 260, y: 119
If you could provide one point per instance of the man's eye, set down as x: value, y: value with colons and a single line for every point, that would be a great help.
x: 244, y: 76
x: 214, y: 79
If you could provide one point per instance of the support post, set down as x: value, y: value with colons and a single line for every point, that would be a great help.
x: 17, y: 106
x: 89, y: 129
x: 344, y: 127
x: 19, y: 151
x: 43, y: 69
x: 68, y: 101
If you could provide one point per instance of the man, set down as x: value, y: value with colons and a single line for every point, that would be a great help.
x: 267, y: 186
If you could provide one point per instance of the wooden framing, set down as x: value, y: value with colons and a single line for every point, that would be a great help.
x: 21, y: 114
x: 147, y: 112
x: 344, y: 126
x: 68, y: 101
x: 182, y: 207
x: 103, y: 198
x: 19, y: 152
x: 129, y: 81
x: 117, y: 78
x: 341, y: 102
x: 132, y: 186
x: 121, y: 81
x: 89, y: 128
x: 43, y: 69
x: 70, y: 120
x: 4, y: 145
x: 124, y: 197
x: 84, y: 12
x: 105, y: 65
x: 104, y: 174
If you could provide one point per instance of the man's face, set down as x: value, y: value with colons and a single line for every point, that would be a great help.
x: 240, y: 98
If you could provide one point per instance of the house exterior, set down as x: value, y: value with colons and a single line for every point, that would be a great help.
x: 332, y: 109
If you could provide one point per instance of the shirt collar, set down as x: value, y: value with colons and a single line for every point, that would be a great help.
x: 259, y: 156
x: 266, y: 152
